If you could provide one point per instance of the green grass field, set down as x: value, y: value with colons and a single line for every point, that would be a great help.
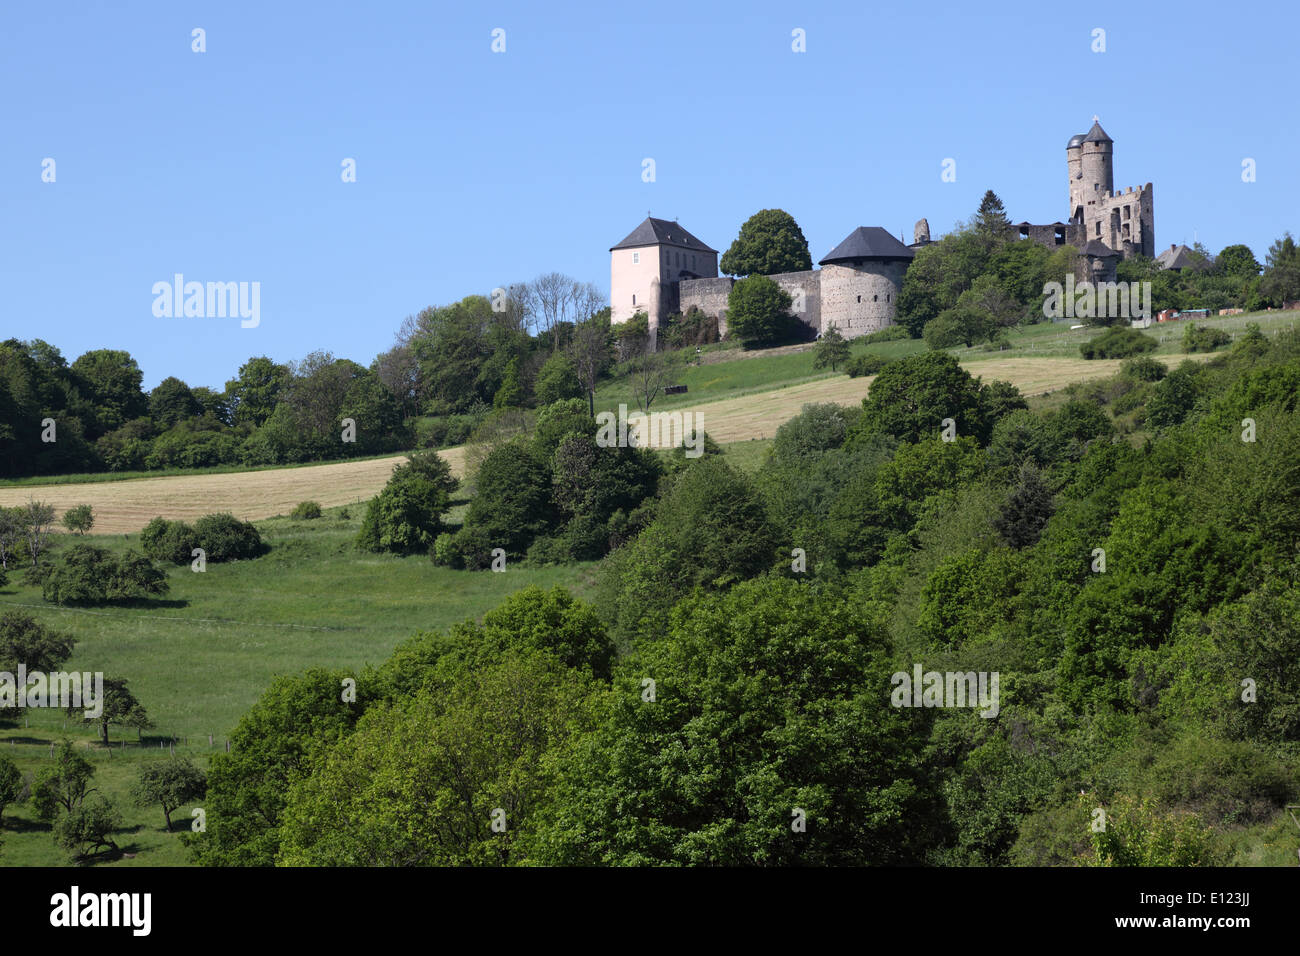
x: 200, y: 657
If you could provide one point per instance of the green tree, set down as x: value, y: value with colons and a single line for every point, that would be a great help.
x: 1237, y: 260
x: 255, y: 392
x: 711, y: 530
x: 406, y: 516
x: 770, y: 242
x: 453, y: 778
x: 11, y: 783
x: 118, y: 706
x: 172, y: 401
x: 770, y: 707
x: 88, y: 829
x: 961, y: 325
x: 169, y: 783
x: 991, y: 222
x: 25, y: 640
x: 1281, y: 280
x: 511, y: 392
x: 111, y: 379
x: 758, y: 311
x: 831, y: 349
x: 79, y: 518
x: 1027, y: 510
x: 557, y: 380
x: 911, y: 398
x: 63, y: 786
x: 512, y: 504
x: 276, y: 743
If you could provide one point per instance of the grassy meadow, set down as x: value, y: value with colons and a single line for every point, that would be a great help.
x: 202, y: 655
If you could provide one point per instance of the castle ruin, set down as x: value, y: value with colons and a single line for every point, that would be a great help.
x: 661, y: 269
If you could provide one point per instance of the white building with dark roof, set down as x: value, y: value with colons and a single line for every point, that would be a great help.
x: 661, y: 269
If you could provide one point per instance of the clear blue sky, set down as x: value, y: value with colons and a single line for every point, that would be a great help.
x: 476, y: 169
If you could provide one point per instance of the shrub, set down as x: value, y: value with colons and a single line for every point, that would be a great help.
x: 557, y: 380
x: 890, y: 333
x: 1204, y: 339
x: 1142, y: 368
x: 165, y: 540
x: 305, y: 511
x: 1117, y: 342
x: 223, y: 537
x: 86, y: 574
x: 407, y: 515
x: 865, y: 365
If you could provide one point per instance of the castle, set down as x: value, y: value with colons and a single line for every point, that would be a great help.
x: 661, y: 269
x: 1105, y: 224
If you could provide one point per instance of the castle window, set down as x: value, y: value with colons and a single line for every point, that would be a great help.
x: 1099, y: 227
x: 859, y: 298
x: 887, y: 297
x: 875, y: 298
x: 634, y: 298
x: 636, y: 258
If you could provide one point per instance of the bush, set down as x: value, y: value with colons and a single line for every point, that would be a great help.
x: 446, y: 431
x: 557, y: 380
x: 165, y: 540
x: 890, y: 333
x: 865, y: 365
x: 305, y: 511
x: 407, y: 515
x: 86, y: 574
x: 1143, y: 369
x: 1117, y: 342
x: 1204, y: 339
x: 223, y: 537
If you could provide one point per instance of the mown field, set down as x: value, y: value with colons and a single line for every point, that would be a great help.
x: 200, y: 657
x: 745, y: 399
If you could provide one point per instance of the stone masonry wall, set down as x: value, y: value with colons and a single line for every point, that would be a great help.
x: 860, y: 299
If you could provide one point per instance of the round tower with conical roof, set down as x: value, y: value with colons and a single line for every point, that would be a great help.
x: 1096, y: 162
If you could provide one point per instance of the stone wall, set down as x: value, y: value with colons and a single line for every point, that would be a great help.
x: 707, y: 295
x: 803, y: 288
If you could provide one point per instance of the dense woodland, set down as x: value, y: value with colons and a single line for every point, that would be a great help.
x: 720, y: 685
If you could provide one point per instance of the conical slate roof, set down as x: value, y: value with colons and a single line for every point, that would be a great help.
x: 655, y: 232
x: 868, y: 242
x: 1097, y: 134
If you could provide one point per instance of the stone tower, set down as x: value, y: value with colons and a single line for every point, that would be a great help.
x: 1097, y: 164
x: 1124, y: 221
x: 860, y: 281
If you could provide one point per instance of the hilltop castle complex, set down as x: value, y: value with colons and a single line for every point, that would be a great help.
x: 661, y: 269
